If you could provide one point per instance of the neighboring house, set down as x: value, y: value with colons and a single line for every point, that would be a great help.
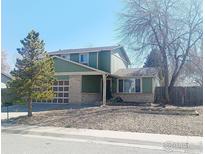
x: 93, y: 75
x: 4, y: 79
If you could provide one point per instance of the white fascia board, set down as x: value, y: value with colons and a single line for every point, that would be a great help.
x: 124, y: 77
x: 78, y: 73
x: 70, y: 52
x: 120, y: 58
x: 123, y: 50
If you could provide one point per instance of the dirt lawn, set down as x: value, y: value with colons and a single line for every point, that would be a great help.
x: 119, y: 118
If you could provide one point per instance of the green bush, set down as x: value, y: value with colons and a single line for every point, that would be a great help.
x: 116, y: 100
x: 8, y: 98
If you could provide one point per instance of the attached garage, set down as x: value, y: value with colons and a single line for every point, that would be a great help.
x: 76, y: 83
x: 61, y: 89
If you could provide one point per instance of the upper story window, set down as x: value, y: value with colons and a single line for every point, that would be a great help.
x: 83, y: 58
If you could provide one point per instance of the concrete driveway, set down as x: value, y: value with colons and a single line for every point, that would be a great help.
x: 21, y: 110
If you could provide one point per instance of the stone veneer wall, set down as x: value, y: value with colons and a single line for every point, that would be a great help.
x: 75, y: 88
x: 136, y: 97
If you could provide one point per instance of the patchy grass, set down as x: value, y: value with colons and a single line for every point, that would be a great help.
x: 123, y: 118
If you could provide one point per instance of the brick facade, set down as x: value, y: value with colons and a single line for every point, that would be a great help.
x: 75, y: 88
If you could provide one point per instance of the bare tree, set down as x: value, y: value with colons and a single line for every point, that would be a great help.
x: 173, y: 27
x: 4, y: 64
x: 193, y: 68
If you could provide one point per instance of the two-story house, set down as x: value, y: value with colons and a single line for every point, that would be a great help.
x: 93, y: 75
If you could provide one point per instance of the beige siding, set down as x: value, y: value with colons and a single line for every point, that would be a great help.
x: 117, y: 63
x: 75, y: 88
x: 155, y: 83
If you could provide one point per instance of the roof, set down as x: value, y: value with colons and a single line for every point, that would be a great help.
x: 131, y: 72
x: 93, y: 49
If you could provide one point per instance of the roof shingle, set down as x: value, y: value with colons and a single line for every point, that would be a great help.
x: 132, y: 72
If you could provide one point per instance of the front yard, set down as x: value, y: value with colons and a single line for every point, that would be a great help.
x: 124, y: 118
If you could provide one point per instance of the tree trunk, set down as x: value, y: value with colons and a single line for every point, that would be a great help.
x: 166, y: 86
x: 29, y: 103
x: 166, y: 78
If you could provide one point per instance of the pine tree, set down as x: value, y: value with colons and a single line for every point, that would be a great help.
x: 153, y: 59
x: 34, y: 72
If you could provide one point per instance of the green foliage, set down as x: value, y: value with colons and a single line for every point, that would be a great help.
x: 34, y: 72
x: 154, y: 59
x: 9, y: 98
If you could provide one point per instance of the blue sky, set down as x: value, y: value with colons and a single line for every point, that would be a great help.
x: 62, y: 24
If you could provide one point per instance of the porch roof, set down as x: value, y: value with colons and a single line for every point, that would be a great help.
x: 137, y: 72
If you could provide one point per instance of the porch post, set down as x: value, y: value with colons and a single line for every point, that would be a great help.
x: 104, y: 89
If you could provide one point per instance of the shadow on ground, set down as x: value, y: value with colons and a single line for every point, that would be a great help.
x: 37, y: 107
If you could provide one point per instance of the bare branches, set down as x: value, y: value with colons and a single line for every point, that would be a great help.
x: 173, y: 27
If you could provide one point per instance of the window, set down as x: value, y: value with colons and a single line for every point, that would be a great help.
x: 55, y: 88
x: 120, y: 85
x: 60, y: 88
x: 60, y: 82
x: 66, y: 82
x: 60, y: 94
x: 130, y: 85
x: 66, y: 88
x: 83, y: 58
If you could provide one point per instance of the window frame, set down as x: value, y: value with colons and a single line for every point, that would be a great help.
x: 123, y: 79
x: 81, y: 54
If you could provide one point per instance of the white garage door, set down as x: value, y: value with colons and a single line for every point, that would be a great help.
x: 61, y: 89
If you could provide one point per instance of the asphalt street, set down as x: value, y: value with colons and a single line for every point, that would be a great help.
x: 34, y: 144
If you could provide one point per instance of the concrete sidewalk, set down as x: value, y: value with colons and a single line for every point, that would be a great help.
x: 12, y: 115
x: 190, y: 144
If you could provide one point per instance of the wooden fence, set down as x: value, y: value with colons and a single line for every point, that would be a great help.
x: 182, y: 96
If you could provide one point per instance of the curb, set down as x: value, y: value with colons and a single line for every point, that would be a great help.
x: 90, y: 138
x: 164, y: 142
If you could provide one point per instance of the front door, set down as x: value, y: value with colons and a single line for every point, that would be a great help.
x: 108, y: 89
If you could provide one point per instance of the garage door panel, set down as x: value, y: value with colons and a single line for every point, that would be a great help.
x: 61, y: 89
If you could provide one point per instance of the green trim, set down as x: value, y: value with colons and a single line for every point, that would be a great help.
x: 114, y: 85
x: 74, y: 57
x: 62, y: 77
x: 91, y: 83
x: 61, y: 65
x: 93, y: 59
x: 147, y: 84
x: 104, y: 61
